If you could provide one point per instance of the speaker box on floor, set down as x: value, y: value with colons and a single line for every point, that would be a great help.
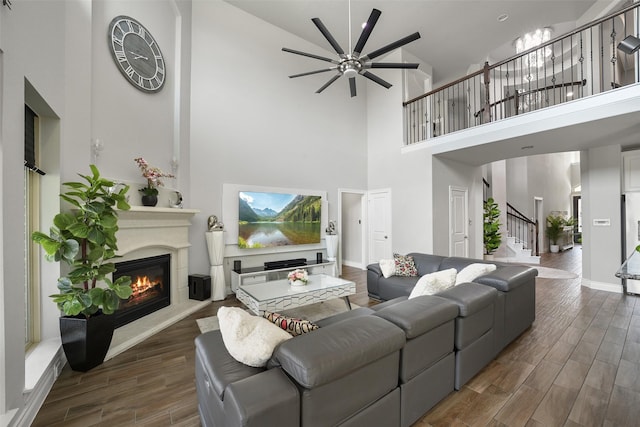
x: 199, y: 287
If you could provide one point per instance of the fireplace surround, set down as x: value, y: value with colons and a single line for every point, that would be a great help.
x: 146, y: 232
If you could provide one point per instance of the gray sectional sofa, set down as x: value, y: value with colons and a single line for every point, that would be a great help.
x: 385, y: 365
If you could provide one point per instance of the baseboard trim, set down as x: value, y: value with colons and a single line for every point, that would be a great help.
x: 34, y: 398
x: 602, y: 286
x: 353, y: 264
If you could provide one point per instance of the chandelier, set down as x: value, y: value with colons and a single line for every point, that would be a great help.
x: 536, y: 58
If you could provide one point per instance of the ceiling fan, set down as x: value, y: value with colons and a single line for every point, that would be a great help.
x: 352, y: 64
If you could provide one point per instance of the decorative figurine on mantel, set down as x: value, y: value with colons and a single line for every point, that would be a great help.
x: 213, y: 224
x: 178, y: 202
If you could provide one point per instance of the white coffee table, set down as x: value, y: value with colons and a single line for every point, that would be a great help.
x: 278, y: 295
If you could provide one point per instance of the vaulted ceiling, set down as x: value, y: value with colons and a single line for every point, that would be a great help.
x: 455, y: 33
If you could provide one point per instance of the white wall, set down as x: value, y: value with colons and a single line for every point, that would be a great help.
x: 545, y: 175
x: 408, y: 175
x: 60, y: 47
x: 447, y: 173
x: 35, y: 53
x: 251, y: 124
x: 601, y: 189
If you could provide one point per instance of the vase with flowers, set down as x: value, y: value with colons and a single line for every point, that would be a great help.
x: 154, y: 176
x: 298, y: 277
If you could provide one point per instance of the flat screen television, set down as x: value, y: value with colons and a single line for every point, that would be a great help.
x: 278, y: 219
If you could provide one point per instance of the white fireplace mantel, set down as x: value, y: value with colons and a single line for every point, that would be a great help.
x: 150, y: 231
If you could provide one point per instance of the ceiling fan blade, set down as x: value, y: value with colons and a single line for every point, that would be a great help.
x: 352, y: 86
x: 326, y: 85
x: 366, y: 31
x: 327, y: 35
x: 377, y: 79
x: 312, y: 72
x: 392, y: 46
x: 310, y: 55
x: 392, y: 65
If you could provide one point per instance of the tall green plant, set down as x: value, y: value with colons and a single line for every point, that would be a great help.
x: 492, y: 237
x: 85, y: 239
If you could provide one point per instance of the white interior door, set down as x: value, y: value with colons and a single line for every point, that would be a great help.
x: 458, y: 221
x: 379, y: 202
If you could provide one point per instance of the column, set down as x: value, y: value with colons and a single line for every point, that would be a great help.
x: 215, y: 245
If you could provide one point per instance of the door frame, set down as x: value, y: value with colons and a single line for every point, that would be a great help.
x: 465, y: 190
x: 363, y: 215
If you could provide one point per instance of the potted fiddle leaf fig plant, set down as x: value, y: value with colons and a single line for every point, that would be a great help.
x: 555, y: 228
x: 491, y: 228
x: 84, y: 238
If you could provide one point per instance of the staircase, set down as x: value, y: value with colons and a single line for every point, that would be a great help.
x: 516, y: 252
x: 522, y: 237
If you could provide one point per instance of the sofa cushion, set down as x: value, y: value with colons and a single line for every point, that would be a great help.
x: 249, y: 339
x: 426, y: 263
x: 292, y: 325
x: 405, y: 265
x: 388, y: 267
x: 337, y: 350
x: 432, y: 283
x: 508, y: 277
x: 420, y: 314
x: 472, y: 271
x: 220, y: 367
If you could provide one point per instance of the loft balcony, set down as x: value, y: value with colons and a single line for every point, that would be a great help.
x: 577, y: 90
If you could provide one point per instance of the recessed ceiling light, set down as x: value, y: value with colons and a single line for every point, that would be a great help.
x: 503, y: 17
x: 527, y: 147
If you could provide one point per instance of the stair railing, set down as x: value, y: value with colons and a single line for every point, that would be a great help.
x: 524, y: 229
x: 580, y: 63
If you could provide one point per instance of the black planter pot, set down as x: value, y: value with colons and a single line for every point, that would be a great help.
x: 86, y: 340
x: 151, y: 200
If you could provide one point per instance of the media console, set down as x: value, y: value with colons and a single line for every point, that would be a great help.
x: 247, y: 276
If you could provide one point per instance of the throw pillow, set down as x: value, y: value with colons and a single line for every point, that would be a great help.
x: 249, y: 339
x: 433, y: 283
x: 405, y: 265
x: 294, y: 326
x: 471, y: 271
x: 388, y: 267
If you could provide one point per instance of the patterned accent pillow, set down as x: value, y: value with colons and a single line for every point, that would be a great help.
x: 293, y: 326
x: 405, y: 265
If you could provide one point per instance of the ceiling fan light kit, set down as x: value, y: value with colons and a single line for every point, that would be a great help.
x: 352, y: 64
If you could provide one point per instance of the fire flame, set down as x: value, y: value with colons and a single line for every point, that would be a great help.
x: 143, y: 284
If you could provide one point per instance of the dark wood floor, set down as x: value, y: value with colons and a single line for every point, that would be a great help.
x: 578, y: 365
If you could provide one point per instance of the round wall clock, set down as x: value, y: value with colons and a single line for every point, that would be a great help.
x: 136, y: 54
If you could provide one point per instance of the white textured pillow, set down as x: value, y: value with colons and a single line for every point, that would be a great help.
x: 432, y: 283
x: 471, y: 271
x: 388, y: 267
x: 249, y: 339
